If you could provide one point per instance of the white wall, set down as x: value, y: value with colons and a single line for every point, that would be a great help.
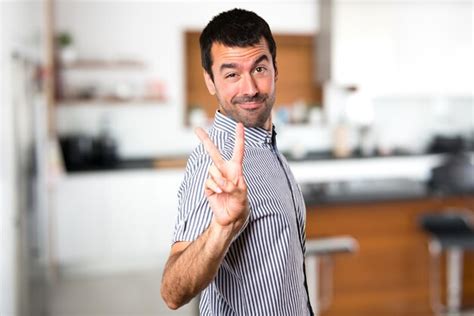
x: 413, y: 62
x: 154, y: 31
x: 20, y: 32
x: 399, y: 51
x: 404, y: 47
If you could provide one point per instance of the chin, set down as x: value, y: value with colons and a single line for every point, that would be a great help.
x: 255, y: 122
x: 249, y: 118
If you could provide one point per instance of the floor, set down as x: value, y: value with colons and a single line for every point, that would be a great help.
x: 134, y: 293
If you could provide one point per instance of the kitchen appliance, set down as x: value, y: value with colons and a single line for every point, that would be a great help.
x: 83, y: 152
x: 455, y: 175
x: 447, y: 144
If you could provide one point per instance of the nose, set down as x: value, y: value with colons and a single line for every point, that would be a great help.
x: 248, y: 86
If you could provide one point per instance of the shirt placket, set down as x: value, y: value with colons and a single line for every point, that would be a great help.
x: 269, y: 142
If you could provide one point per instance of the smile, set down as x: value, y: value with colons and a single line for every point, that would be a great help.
x: 250, y: 105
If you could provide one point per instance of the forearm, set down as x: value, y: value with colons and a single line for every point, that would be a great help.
x: 191, y: 270
x: 192, y: 266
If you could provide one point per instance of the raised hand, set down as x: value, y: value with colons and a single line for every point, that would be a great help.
x: 225, y: 188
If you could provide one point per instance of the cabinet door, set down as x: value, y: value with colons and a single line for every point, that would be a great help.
x: 389, y: 274
x: 117, y: 219
x: 78, y: 220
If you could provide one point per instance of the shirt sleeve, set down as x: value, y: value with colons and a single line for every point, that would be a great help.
x: 194, y: 213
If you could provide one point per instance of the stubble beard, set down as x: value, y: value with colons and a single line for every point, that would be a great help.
x: 250, y: 118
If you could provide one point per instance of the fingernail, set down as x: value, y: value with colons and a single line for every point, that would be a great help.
x: 218, y: 190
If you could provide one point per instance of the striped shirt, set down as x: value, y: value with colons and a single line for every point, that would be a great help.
x: 263, y: 271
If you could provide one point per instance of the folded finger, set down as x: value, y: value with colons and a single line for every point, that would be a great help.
x: 212, y: 186
x: 225, y: 185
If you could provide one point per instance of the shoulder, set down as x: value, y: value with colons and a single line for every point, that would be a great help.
x: 198, y: 159
x: 199, y: 155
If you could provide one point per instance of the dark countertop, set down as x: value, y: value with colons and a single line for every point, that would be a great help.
x: 328, y: 155
x: 380, y: 190
x: 180, y: 161
x: 363, y: 191
x: 133, y: 163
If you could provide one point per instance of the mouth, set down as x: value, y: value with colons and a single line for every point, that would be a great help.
x: 251, y: 103
x: 249, y: 106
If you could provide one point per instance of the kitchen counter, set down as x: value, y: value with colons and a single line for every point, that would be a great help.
x: 130, y: 213
x: 329, y: 181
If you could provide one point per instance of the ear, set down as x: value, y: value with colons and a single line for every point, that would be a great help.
x: 209, y: 83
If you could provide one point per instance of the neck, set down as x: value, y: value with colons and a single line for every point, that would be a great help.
x: 268, y: 124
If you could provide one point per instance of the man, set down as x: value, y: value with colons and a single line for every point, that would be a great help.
x: 239, y: 238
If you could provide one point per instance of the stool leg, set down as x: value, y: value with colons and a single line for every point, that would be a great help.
x: 313, y: 280
x: 454, y: 279
x: 326, y: 281
x: 435, y: 277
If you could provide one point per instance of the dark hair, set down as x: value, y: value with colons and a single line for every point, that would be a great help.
x: 234, y: 28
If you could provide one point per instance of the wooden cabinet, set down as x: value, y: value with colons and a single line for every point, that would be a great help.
x: 389, y: 274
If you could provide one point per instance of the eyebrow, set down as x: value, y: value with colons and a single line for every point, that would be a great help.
x: 260, y: 59
x: 234, y: 65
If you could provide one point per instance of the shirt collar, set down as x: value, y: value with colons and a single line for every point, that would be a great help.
x: 253, y: 135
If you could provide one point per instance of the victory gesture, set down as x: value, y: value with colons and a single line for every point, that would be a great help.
x: 225, y: 188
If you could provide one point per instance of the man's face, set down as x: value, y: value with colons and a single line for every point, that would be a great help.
x: 244, y: 83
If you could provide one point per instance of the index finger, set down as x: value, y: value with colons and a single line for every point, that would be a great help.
x: 239, y: 146
x: 211, y: 149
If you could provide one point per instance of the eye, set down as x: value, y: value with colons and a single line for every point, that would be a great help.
x: 260, y: 69
x: 230, y: 75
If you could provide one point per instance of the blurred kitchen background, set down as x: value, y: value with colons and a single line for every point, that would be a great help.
x: 374, y: 111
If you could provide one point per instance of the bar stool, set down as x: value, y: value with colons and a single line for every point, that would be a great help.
x: 319, y: 254
x: 451, y: 231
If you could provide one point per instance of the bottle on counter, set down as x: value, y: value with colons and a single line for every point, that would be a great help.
x: 367, y: 141
x: 341, y: 145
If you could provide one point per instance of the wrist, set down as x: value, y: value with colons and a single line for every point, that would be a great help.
x: 221, y: 232
x: 218, y: 240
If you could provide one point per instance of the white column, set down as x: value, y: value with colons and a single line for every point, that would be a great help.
x: 8, y: 236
